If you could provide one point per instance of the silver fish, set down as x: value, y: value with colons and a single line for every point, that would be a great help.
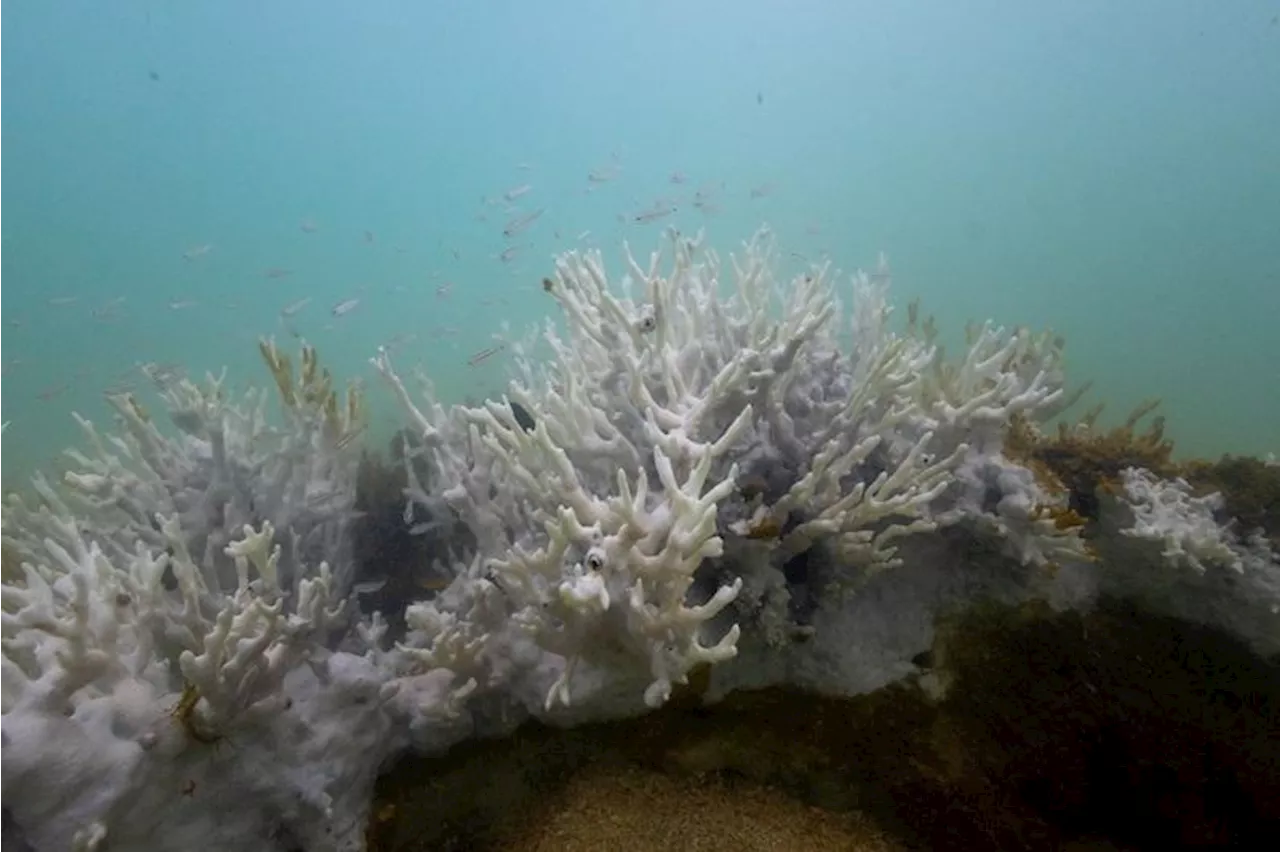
x: 515, y: 192
x: 521, y: 223
x: 345, y: 307
x: 293, y: 307
x: 653, y: 215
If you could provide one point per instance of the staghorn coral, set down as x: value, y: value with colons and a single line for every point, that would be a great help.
x: 672, y: 379
x: 311, y: 394
x: 161, y: 603
x: 228, y: 465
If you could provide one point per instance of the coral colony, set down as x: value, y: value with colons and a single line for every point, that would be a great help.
x: 704, y: 467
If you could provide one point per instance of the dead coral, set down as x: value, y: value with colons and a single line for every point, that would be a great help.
x: 1250, y: 489
x: 1081, y: 458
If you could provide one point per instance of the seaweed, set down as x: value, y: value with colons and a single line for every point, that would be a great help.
x: 1250, y: 490
x: 1084, y: 460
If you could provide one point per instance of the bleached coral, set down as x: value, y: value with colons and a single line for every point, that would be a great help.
x: 742, y: 403
x: 227, y: 466
x: 103, y: 657
x: 1180, y: 553
x: 1167, y: 512
x: 134, y: 650
x: 705, y: 466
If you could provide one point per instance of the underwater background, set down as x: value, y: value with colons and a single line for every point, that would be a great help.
x: 184, y: 178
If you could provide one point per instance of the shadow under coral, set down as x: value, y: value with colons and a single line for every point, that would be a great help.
x: 1115, y: 729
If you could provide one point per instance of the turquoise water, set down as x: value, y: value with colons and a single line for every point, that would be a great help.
x: 1107, y: 169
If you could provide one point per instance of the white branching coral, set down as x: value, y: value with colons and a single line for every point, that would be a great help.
x: 630, y: 548
x: 696, y: 459
x: 157, y: 599
x: 228, y: 465
x: 142, y: 660
x: 79, y: 621
x: 743, y: 401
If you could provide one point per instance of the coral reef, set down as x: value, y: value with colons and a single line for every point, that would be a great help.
x: 701, y: 480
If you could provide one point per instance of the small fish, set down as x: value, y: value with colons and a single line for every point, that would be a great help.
x: 652, y: 215
x: 153, y: 76
x: 64, y: 300
x: 196, y: 252
x: 759, y: 98
x: 509, y: 254
x: 344, y: 307
x: 679, y: 177
x: 523, y: 417
x: 583, y: 236
x: 764, y: 528
x: 182, y: 304
x: 162, y: 375
x: 485, y: 354
x: 443, y: 291
x: 308, y: 226
x: 433, y: 584
x: 369, y: 587
x: 602, y: 175
x: 762, y: 190
x: 515, y: 192
x: 110, y: 312
x: 369, y: 236
x: 293, y: 307
x: 276, y: 272
x: 521, y: 223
